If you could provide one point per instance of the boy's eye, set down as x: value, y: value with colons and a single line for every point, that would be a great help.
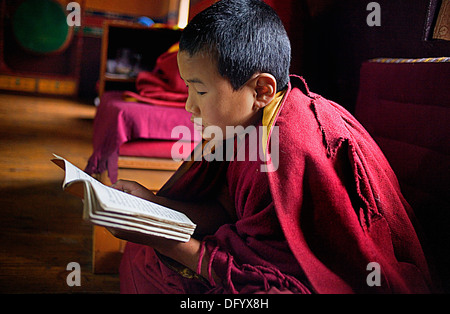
x: 198, y: 93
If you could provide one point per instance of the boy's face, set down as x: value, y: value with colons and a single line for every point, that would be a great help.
x: 212, y: 98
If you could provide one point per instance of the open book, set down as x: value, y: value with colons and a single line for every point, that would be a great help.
x: 108, y: 207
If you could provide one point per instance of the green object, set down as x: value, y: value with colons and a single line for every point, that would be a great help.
x: 41, y: 26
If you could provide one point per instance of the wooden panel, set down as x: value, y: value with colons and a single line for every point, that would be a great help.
x: 16, y: 83
x: 126, y: 162
x: 442, y: 28
x: 38, y: 85
x: 57, y: 87
x: 107, y: 251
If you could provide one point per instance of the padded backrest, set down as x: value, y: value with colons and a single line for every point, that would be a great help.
x: 405, y: 106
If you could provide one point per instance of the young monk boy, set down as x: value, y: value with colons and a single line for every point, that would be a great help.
x: 320, y: 211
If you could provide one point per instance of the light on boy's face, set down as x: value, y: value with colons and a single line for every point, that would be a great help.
x: 212, y: 97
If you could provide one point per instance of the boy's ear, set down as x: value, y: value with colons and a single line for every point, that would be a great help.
x: 265, y: 86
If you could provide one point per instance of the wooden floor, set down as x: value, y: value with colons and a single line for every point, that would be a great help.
x: 41, y: 230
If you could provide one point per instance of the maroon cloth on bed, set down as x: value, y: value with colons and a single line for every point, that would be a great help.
x: 118, y: 121
x: 163, y: 86
x: 334, y: 198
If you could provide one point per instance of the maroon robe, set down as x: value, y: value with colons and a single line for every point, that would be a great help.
x: 332, y: 207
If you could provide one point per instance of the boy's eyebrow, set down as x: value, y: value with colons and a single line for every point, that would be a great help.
x: 195, y: 80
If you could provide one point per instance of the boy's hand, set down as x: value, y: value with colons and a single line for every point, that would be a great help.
x: 186, y: 253
x: 135, y: 189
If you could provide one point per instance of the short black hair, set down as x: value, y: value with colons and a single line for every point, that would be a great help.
x: 245, y: 37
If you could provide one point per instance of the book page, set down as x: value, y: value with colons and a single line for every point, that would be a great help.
x: 157, y: 233
x: 115, y: 200
x: 74, y: 179
x: 118, y: 201
x: 74, y: 174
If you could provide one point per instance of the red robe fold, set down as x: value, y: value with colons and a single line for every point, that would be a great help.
x: 162, y: 86
x: 332, y: 207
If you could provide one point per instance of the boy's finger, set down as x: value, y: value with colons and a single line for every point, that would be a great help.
x: 119, y: 185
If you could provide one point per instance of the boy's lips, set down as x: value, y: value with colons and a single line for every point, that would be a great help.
x: 197, y: 123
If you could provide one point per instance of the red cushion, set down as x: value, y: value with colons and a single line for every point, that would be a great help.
x: 156, y: 149
x: 406, y: 108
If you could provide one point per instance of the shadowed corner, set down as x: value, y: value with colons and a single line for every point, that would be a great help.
x: 42, y: 232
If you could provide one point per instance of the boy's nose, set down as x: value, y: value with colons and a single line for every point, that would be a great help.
x: 190, y: 106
